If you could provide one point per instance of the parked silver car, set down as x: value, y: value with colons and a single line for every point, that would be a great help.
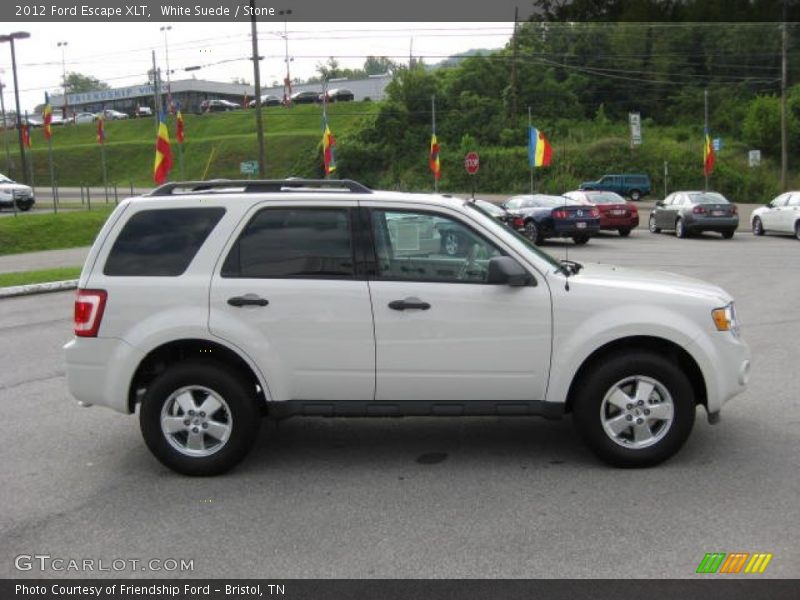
x: 695, y: 212
x: 12, y: 192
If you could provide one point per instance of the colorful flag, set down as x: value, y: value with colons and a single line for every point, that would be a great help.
x: 163, y: 161
x: 26, y: 135
x: 539, y: 149
x: 433, y: 158
x: 47, y: 117
x: 708, y: 156
x: 101, y: 130
x: 328, y: 147
x: 179, y: 135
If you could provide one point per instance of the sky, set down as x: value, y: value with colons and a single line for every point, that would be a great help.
x: 120, y: 53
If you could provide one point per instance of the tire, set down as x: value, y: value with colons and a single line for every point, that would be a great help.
x: 758, y: 227
x: 451, y: 243
x: 580, y: 240
x: 728, y: 234
x: 234, y: 416
x: 797, y: 230
x: 652, y: 224
x: 532, y: 232
x: 24, y: 206
x: 636, y: 195
x: 612, y: 422
x: 624, y: 232
x: 680, y: 230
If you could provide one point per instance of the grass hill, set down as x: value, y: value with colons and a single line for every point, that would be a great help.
x: 218, y: 142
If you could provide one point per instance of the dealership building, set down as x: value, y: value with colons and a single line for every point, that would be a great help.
x: 191, y: 92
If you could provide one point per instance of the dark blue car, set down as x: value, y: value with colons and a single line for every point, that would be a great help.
x: 553, y: 216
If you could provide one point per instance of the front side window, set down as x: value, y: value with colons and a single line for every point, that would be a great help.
x: 313, y: 243
x: 422, y: 246
x: 779, y: 201
x: 160, y: 243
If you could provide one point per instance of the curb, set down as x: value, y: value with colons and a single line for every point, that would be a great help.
x: 38, y: 288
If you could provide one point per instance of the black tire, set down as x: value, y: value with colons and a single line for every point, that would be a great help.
x: 532, y: 232
x: 728, y: 234
x: 680, y: 230
x: 758, y: 227
x: 580, y: 240
x: 24, y: 206
x: 241, y: 414
x: 624, y: 232
x: 652, y: 224
x: 797, y: 230
x: 636, y: 195
x: 588, y: 408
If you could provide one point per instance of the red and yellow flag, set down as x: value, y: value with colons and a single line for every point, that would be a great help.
x: 101, y: 130
x: 163, y: 162
x: 708, y: 156
x: 47, y: 118
x: 433, y: 158
x: 26, y: 135
x: 328, y: 148
x: 179, y: 135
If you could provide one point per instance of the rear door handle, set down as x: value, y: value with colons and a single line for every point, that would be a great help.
x: 409, y: 303
x: 248, y: 300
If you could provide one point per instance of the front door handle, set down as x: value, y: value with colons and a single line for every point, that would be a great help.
x: 248, y: 300
x: 409, y: 303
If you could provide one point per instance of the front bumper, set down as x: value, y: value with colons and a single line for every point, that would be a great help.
x: 724, y: 360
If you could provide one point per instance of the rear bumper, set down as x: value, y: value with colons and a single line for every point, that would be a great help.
x: 712, y: 224
x: 569, y: 229
x: 99, y: 371
x: 619, y: 222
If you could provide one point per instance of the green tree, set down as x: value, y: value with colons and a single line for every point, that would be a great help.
x: 78, y: 82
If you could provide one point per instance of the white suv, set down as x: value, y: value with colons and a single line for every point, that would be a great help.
x: 212, y: 304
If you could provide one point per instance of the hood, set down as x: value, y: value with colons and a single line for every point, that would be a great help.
x: 642, y: 280
x: 8, y: 187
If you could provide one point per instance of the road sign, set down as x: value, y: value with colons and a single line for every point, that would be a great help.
x: 472, y: 162
x: 635, y: 120
x: 248, y: 167
x: 717, y: 143
x: 754, y: 158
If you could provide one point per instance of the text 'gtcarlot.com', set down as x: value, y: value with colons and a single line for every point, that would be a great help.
x: 46, y: 562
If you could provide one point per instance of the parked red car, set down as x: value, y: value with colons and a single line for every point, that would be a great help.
x: 616, y: 214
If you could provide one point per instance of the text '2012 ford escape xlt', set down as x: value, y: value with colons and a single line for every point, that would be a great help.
x: 212, y: 304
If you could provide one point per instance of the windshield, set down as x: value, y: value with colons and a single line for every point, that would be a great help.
x: 528, y: 243
x: 708, y: 198
x: 4, y: 179
x: 492, y: 209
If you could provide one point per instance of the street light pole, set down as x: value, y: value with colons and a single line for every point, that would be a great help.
x: 287, y: 83
x: 17, y: 35
x: 165, y: 29
x: 65, y: 105
x: 262, y: 167
x: 5, y: 126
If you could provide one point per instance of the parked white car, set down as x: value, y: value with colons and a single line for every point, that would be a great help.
x: 210, y: 304
x: 84, y: 117
x: 12, y: 192
x: 781, y: 215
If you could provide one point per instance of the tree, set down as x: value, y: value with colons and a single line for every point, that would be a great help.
x: 78, y: 82
x: 377, y: 65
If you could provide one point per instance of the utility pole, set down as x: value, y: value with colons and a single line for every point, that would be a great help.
x: 5, y: 127
x: 514, y: 66
x: 165, y: 29
x: 156, y: 92
x: 705, y: 96
x: 262, y: 167
x: 17, y: 35
x: 784, y: 135
x: 64, y: 104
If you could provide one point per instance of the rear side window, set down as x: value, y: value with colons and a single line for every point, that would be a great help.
x: 161, y: 243
x: 303, y: 243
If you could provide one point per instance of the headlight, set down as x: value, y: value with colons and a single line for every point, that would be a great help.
x: 725, y: 319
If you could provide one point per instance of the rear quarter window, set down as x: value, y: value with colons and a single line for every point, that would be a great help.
x: 160, y: 243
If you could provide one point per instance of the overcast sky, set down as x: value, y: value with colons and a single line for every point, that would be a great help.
x: 120, y: 53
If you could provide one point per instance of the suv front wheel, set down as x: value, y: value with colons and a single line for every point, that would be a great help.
x: 199, y: 418
x: 636, y: 409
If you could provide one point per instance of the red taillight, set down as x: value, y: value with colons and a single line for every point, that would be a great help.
x: 519, y: 222
x: 699, y: 210
x: 559, y: 214
x: 89, y: 307
x: 734, y: 210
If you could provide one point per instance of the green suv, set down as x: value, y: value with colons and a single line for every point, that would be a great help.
x: 634, y: 186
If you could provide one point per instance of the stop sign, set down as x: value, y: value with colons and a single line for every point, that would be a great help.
x: 472, y: 162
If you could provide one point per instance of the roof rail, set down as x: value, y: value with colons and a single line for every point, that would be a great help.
x: 254, y: 186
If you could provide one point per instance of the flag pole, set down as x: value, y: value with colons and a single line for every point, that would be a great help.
x: 433, y: 129
x: 530, y: 162
x: 180, y: 160
x: 324, y: 122
x: 705, y: 138
x: 103, y: 161
x: 50, y: 154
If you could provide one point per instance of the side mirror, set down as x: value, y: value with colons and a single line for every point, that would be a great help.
x: 506, y: 270
x: 660, y: 203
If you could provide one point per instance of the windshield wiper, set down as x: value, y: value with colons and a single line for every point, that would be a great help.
x: 570, y: 267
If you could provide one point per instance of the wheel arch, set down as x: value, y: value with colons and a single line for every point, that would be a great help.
x: 158, y: 359
x: 660, y: 346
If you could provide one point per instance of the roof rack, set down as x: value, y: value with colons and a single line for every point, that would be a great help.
x: 255, y: 186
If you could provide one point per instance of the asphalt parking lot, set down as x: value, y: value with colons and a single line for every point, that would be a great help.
x: 462, y: 498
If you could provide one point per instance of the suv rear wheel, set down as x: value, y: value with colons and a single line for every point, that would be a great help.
x: 636, y: 195
x: 199, y: 418
x: 636, y: 409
